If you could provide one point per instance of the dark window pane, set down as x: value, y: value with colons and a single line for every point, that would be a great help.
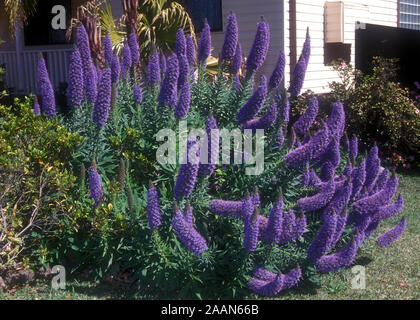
x: 202, y: 9
x: 45, y: 27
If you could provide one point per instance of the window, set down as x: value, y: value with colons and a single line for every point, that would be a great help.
x: 199, y: 10
x: 410, y: 14
x: 49, y: 24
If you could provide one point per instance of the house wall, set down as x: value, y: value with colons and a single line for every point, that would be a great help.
x: 248, y: 13
x: 310, y: 13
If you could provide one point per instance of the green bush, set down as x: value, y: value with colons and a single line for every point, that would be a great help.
x: 377, y: 107
x: 34, y: 183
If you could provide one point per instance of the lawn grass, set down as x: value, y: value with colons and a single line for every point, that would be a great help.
x: 391, y: 273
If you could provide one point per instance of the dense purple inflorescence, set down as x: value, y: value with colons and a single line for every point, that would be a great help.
x: 168, y: 90
x: 187, y: 174
x: 251, y: 108
x: 265, y: 122
x: 278, y: 73
x: 134, y: 49
x: 75, y: 84
x: 126, y: 61
x: 153, y: 207
x: 187, y: 234
x: 183, y: 105
x: 231, y: 38
x: 298, y: 78
x: 190, y: 51
x: 82, y: 42
x: 91, y: 85
x: 237, y: 59
x: 108, y: 49
x: 137, y: 93
x: 204, y: 45
x: 103, y: 99
x: 305, y: 121
x: 212, y: 139
x: 95, y: 184
x: 259, y: 48
x: 46, y: 90
x: 153, y: 74
x: 392, y: 235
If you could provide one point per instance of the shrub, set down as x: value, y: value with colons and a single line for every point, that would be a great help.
x: 377, y: 107
x: 216, y: 232
x: 34, y: 182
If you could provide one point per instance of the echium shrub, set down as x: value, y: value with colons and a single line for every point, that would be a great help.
x: 310, y: 209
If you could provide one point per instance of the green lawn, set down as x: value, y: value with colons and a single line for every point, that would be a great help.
x: 391, y: 273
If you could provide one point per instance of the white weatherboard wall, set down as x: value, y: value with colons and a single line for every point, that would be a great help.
x: 310, y: 13
x: 248, y: 13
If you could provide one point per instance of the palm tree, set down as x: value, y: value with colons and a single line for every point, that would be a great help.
x: 19, y: 9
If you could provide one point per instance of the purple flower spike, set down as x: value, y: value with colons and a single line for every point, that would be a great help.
x: 95, y: 184
x: 382, y: 179
x: 108, y: 49
x: 259, y: 48
x: 153, y: 76
x: 134, y: 49
x: 103, y: 99
x: 337, y: 120
x: 265, y: 122
x: 266, y: 288
x: 236, y: 85
x: 183, y: 106
x: 180, y: 43
x: 82, y: 42
x: 358, y: 177
x: 389, y: 211
x: 226, y: 208
x: 186, y: 233
x: 299, y: 227
x: 153, y: 207
x: 247, y: 208
x: 341, y: 259
x: 298, y: 78
x: 373, y: 164
x: 190, y: 51
x: 275, y: 221
x: 341, y: 224
x: 327, y: 171
x: 306, y: 50
x: 187, y: 174
x: 286, y: 111
x: 35, y: 107
x: 162, y: 64
x: 115, y: 69
x: 137, y: 94
x: 184, y: 70
x: 204, y: 46
x: 46, y: 90
x: 392, y: 235
x: 319, y: 200
x: 289, y: 222
x: 353, y: 148
x: 251, y: 228
x: 168, y: 90
x: 278, y: 73
x: 264, y: 274
x: 126, y: 60
x: 379, y: 199
x: 212, y: 139
x: 303, y: 124
x: 237, y: 59
x: 332, y: 154
x: 279, y: 139
x: 91, y: 85
x: 324, y: 237
x: 231, y: 38
x: 251, y: 108
x: 292, y: 278
x: 188, y: 214
x: 75, y: 87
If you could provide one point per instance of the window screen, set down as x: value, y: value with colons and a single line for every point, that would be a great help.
x: 410, y: 14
